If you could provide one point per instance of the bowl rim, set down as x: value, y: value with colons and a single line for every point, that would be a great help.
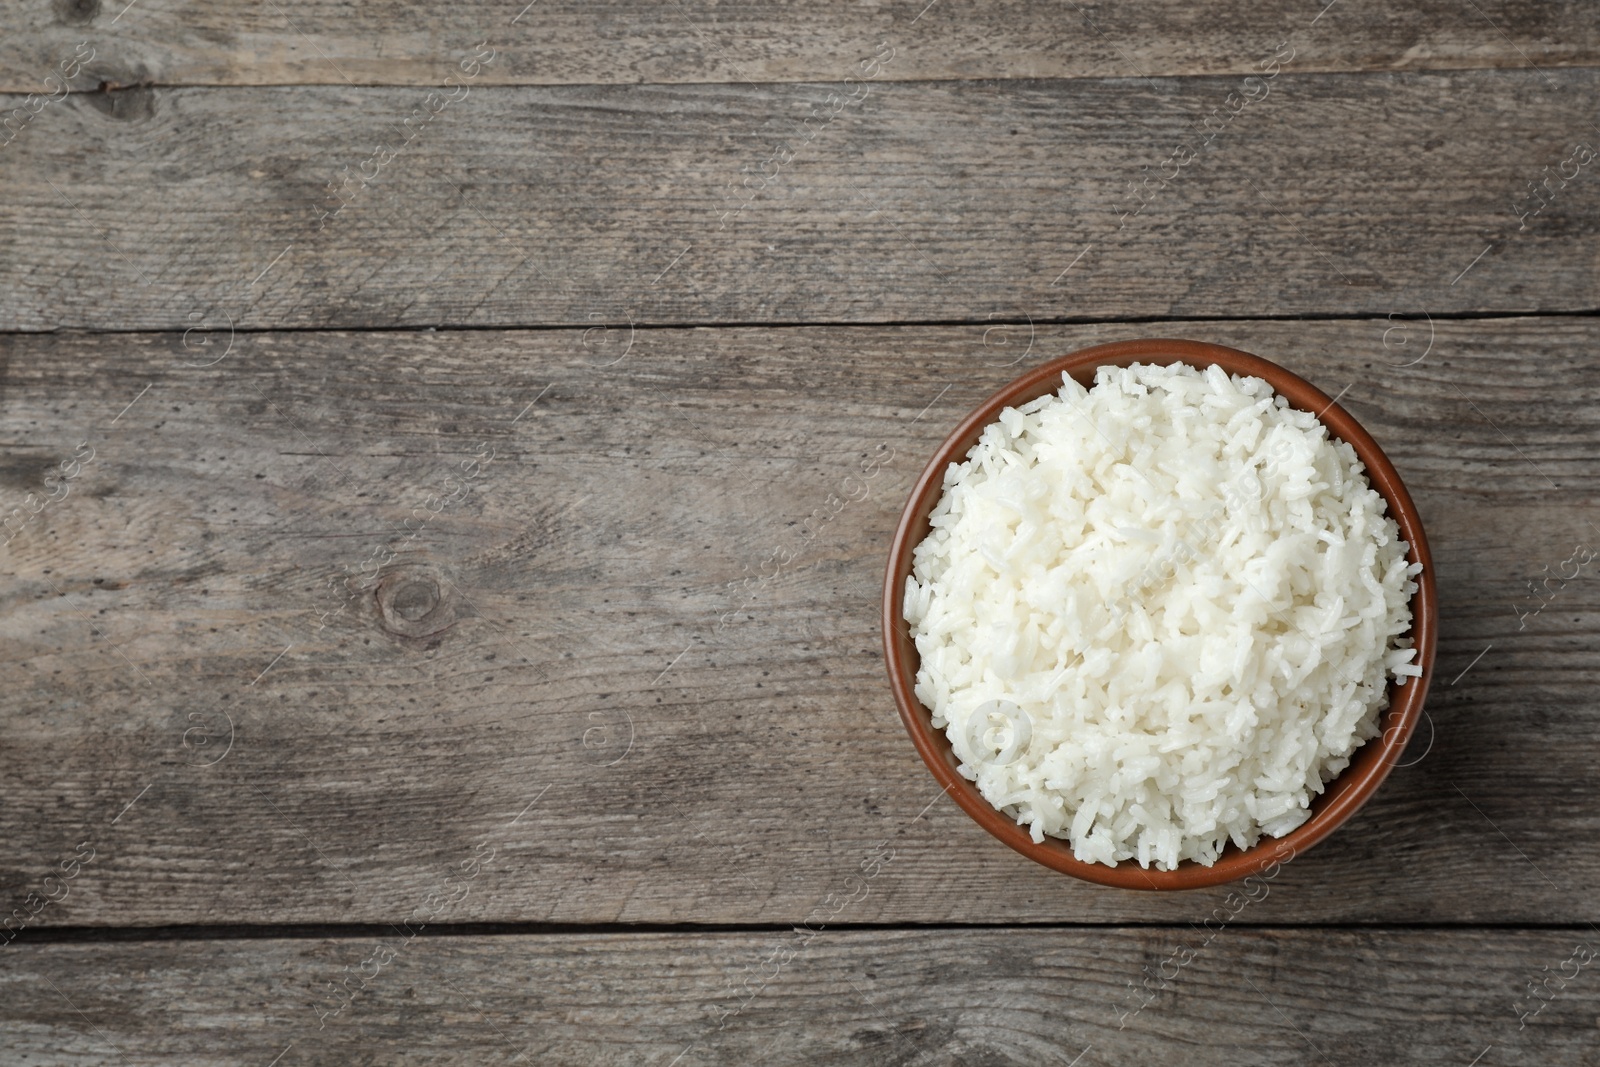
x: 1369, y: 765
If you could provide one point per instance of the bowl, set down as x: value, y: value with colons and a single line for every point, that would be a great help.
x: 1370, y: 763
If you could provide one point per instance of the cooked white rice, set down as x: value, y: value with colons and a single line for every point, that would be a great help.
x: 1181, y: 596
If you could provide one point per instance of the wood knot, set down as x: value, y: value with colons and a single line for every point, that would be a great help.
x: 135, y: 103
x: 77, y: 12
x: 415, y: 602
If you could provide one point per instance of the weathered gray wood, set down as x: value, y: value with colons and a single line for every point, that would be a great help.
x: 1376, y: 193
x: 619, y: 694
x: 565, y: 41
x: 1040, y: 996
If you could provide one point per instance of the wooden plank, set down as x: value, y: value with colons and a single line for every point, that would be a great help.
x: 319, y: 624
x: 557, y: 42
x: 1091, y: 997
x: 166, y: 209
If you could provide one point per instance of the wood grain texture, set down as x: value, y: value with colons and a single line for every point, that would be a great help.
x: 935, y: 997
x: 964, y: 201
x: 288, y: 652
x: 554, y: 42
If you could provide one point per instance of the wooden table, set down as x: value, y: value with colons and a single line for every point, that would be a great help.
x: 417, y: 401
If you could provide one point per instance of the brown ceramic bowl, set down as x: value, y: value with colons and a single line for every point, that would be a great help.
x: 1368, y: 766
